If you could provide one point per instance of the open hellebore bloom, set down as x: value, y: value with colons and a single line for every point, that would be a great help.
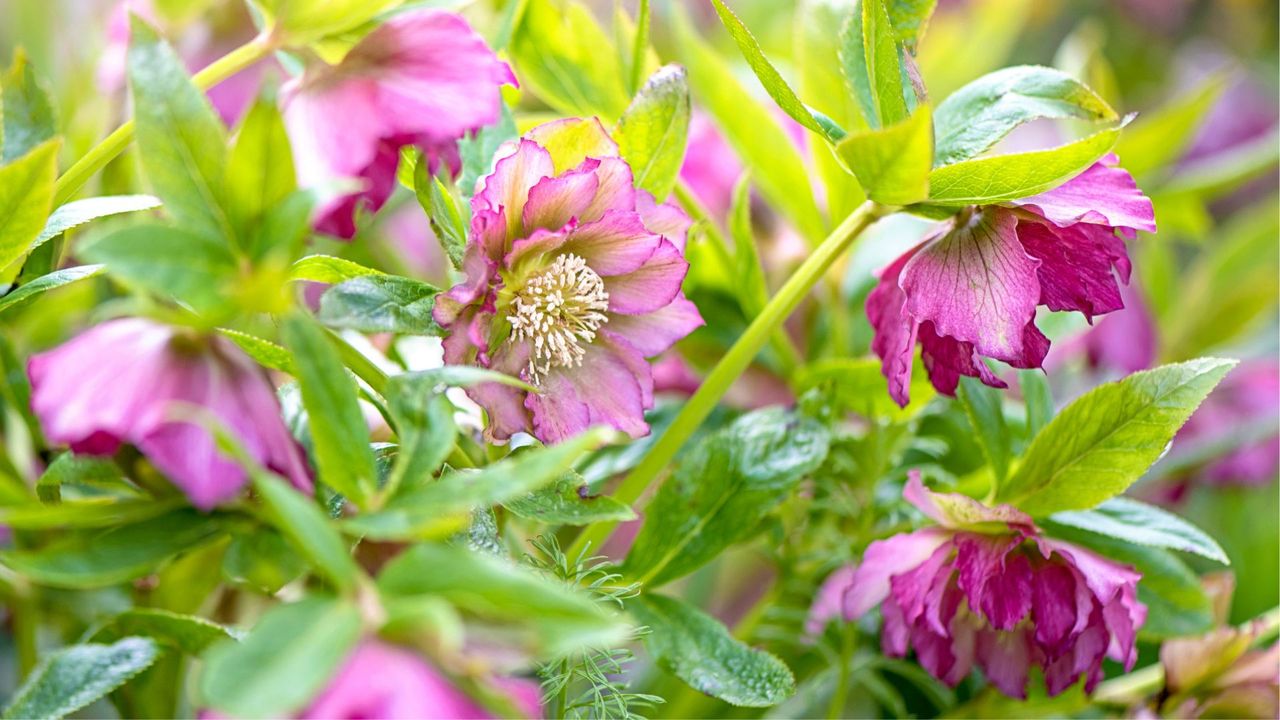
x: 382, y: 681
x: 572, y: 279
x: 136, y: 381
x: 970, y: 291
x: 422, y: 78
x: 987, y: 587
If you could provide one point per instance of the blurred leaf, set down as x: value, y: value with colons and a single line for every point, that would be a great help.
x: 299, y: 22
x: 76, y: 676
x: 444, y: 210
x: 338, y: 429
x: 860, y: 387
x: 424, y: 424
x: 260, y: 165
x: 89, y: 513
x: 753, y: 294
x: 26, y: 192
x: 381, y: 303
x: 1107, y: 438
x: 300, y: 520
x: 1220, y: 173
x: 73, y: 469
x: 181, y: 141
x: 285, y: 660
x: 79, y: 212
x: 652, y: 133
x: 478, y: 149
x: 977, y: 116
x: 909, y: 18
x: 262, y: 560
x: 722, y: 490
x: 1136, y: 522
x: 190, y: 267
x: 461, y: 376
x: 563, y: 56
x: 696, y: 648
x: 569, y: 502
x: 893, y: 164
x: 559, y: 620
x: 35, y: 288
x: 28, y: 114
x: 114, y: 556
x: 264, y: 352
x: 871, y: 64
x: 328, y: 269
x: 188, y: 633
x: 1038, y: 397
x: 952, y: 57
x: 997, y: 178
x: 984, y: 406
x: 1157, y: 139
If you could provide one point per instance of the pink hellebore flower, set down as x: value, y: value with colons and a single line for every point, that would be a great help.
x: 971, y: 290
x: 423, y: 78
x: 988, y: 588
x: 572, y: 279
x: 131, y: 381
x: 383, y: 681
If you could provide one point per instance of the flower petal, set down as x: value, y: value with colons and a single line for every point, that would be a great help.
x: 956, y: 511
x: 655, y: 332
x: 895, y: 331
x: 1076, y: 266
x: 616, y: 244
x: 555, y: 201
x: 508, y: 185
x: 651, y: 287
x: 1104, y: 194
x: 884, y: 559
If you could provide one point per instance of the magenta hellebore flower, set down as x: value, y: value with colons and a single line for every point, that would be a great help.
x: 971, y: 290
x: 572, y: 279
x: 131, y: 381
x: 423, y: 78
x: 987, y: 587
x: 383, y: 681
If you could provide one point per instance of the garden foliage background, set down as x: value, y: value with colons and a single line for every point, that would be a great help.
x: 426, y: 542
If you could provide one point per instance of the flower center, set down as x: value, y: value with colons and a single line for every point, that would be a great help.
x: 560, y: 310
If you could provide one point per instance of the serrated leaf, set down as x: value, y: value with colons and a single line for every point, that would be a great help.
x: 191, y: 267
x: 305, y: 525
x: 984, y: 406
x: 264, y: 352
x: 328, y: 269
x: 28, y: 117
x: 723, y: 488
x: 699, y: 650
x: 654, y: 130
x: 79, y: 212
x: 26, y: 192
x: 997, y: 178
x: 283, y: 662
x: 1106, y: 439
x: 569, y: 502
x: 424, y: 425
x: 977, y: 116
x: 1142, y: 524
x: 446, y: 212
x: 188, y: 633
x: 381, y: 303
x: 74, y: 677
x: 893, y: 164
x: 35, y: 288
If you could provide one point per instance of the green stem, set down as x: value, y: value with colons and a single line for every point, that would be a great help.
x: 732, y: 364
x: 835, y: 709
x: 112, y: 145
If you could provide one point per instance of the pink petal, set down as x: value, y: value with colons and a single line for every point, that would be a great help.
x: 895, y: 331
x: 885, y: 558
x: 665, y: 219
x: 1005, y: 658
x: 616, y: 190
x: 1053, y: 608
x: 956, y: 511
x: 829, y: 602
x: 651, y: 287
x: 508, y: 185
x: 1103, y: 195
x: 996, y: 580
x: 555, y: 201
x: 616, y: 244
x: 1076, y: 266
x: 557, y: 411
x: 655, y: 332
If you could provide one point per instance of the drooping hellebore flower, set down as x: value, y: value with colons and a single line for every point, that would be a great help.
x: 136, y: 381
x: 572, y: 279
x: 987, y: 587
x: 423, y: 78
x: 970, y: 291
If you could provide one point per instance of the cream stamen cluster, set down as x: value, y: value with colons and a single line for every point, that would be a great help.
x: 559, y: 310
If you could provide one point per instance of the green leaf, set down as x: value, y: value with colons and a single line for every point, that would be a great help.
x: 299, y: 22
x: 753, y: 132
x: 381, y: 303
x: 28, y: 114
x: 893, y: 164
x: 1136, y: 522
x: 424, y: 424
x: 984, y: 406
x: 696, y: 648
x: 652, y: 133
x: 103, y: 512
x: 977, y: 116
x: 462, y: 376
x: 182, y: 143
x: 260, y: 166
x: 561, y: 620
x: 116, y: 555
x: 79, y: 212
x: 721, y: 491
x: 444, y: 209
x: 26, y: 192
x: 909, y: 18
x: 1038, y: 397
x: 264, y: 352
x: 1107, y: 438
x: 287, y: 658
x: 338, y: 430
x: 190, y: 267
x: 563, y: 56
x: 860, y: 386
x: 74, y: 677
x: 769, y: 77
x: 441, y: 507
x: 30, y: 291
x: 188, y: 633
x: 328, y: 269
x: 569, y: 502
x: 750, y: 285
x: 262, y: 560
x: 307, y: 527
x: 73, y: 469
x: 869, y: 57
x: 1157, y: 139
x: 997, y: 178
x: 477, y: 151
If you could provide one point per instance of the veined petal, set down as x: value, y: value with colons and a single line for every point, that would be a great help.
x: 884, y: 559
x: 1076, y: 266
x: 616, y: 244
x: 655, y: 332
x: 652, y: 286
x: 895, y: 331
x: 1105, y: 194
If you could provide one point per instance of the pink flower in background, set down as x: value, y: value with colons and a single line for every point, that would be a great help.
x: 573, y: 278
x: 986, y: 587
x: 383, y: 681
x: 1125, y: 340
x: 422, y: 78
x: 829, y: 604
x: 1246, y: 400
x: 131, y: 380
x: 970, y: 291
x: 711, y: 168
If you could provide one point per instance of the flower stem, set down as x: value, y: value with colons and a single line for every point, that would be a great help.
x: 732, y: 364
x: 112, y: 145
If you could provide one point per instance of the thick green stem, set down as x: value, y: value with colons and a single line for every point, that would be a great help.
x: 732, y: 364
x: 112, y: 145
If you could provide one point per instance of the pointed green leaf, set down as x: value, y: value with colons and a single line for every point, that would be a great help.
x: 984, y: 406
x: 652, y: 133
x: 30, y: 291
x: 74, y: 677
x: 749, y: 274
x: 1142, y: 524
x: 381, y: 303
x: 188, y: 633
x: 305, y: 525
x: 892, y: 164
x: 79, y: 212
x: 28, y: 117
x: 328, y: 269
x: 569, y: 502
x: 26, y: 192
x: 260, y: 165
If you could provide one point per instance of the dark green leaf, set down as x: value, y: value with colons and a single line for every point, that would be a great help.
x: 381, y: 303
x: 892, y: 164
x: 79, y: 212
x: 188, y: 266
x: 652, y: 133
x: 306, y: 526
x: 31, y: 290
x: 26, y: 191
x: 74, y: 677
x: 696, y: 648
x: 1136, y: 522
x: 28, y: 113
x: 262, y: 560
x: 569, y: 502
x: 984, y: 407
x: 188, y: 633
x: 424, y: 424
